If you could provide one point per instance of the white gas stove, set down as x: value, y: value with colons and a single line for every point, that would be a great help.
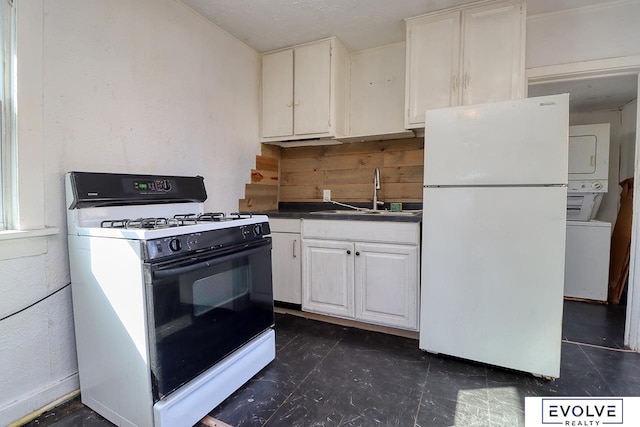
x: 173, y: 306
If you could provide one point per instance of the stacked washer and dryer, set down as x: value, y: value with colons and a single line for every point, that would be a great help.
x: 588, y: 240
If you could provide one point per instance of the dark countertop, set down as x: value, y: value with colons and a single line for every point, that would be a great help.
x: 324, y: 210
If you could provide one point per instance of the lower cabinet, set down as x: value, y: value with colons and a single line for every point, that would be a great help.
x: 328, y: 282
x: 386, y: 283
x: 374, y: 282
x: 286, y: 260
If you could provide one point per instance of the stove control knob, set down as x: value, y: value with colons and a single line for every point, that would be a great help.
x: 175, y: 245
x: 257, y: 230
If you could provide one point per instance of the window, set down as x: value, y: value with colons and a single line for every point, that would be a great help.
x: 7, y: 107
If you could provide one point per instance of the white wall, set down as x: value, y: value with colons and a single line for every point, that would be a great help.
x: 607, y: 30
x: 145, y: 86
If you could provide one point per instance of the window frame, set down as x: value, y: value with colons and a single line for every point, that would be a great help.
x: 25, y: 234
x: 7, y: 112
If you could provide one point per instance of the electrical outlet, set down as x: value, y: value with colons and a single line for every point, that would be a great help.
x: 326, y: 195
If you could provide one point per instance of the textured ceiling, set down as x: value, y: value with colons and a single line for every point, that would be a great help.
x: 360, y: 24
x: 593, y: 94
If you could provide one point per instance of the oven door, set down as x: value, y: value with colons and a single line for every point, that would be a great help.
x: 204, y: 307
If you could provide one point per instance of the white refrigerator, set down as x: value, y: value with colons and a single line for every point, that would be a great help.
x: 493, y: 232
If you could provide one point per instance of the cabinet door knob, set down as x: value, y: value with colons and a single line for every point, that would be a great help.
x: 294, y: 248
x: 348, y: 252
x: 357, y: 253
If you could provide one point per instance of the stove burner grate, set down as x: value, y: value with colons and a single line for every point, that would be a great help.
x: 140, y: 223
x: 240, y: 215
x: 191, y: 218
x: 177, y: 220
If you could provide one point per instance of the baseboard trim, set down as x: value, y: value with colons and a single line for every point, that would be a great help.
x: 29, y: 407
x: 350, y: 323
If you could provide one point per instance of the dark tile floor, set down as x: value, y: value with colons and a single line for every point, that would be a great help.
x: 596, y: 324
x: 328, y: 375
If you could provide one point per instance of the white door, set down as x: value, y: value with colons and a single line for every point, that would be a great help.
x: 493, y: 275
x: 327, y: 277
x: 582, y: 154
x: 433, y: 62
x: 386, y: 279
x: 277, y: 94
x: 286, y: 266
x: 589, y: 152
x: 519, y: 142
x: 493, y: 69
x: 312, y: 88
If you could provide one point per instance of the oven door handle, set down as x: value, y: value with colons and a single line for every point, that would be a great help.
x: 176, y: 271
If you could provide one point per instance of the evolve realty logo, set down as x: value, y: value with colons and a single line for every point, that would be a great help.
x: 582, y: 411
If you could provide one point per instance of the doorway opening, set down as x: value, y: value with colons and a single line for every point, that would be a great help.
x: 609, y: 97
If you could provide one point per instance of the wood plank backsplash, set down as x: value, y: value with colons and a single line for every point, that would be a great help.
x: 347, y: 170
x: 261, y: 194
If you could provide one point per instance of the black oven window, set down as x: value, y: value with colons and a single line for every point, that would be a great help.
x: 228, y: 289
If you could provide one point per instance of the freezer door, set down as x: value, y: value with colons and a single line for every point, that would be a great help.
x: 521, y: 142
x: 493, y: 275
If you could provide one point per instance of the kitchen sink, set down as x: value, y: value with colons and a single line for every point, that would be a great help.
x: 367, y: 212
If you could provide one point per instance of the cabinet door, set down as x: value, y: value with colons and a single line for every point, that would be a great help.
x: 377, y: 90
x: 312, y: 88
x: 433, y: 62
x: 492, y: 58
x: 285, y: 261
x: 327, y: 277
x: 277, y: 94
x: 386, y: 284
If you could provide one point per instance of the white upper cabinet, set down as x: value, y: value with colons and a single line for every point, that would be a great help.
x: 433, y: 62
x: 277, y: 94
x: 464, y: 56
x: 311, y: 88
x: 304, y: 92
x: 376, y: 94
x: 493, y: 53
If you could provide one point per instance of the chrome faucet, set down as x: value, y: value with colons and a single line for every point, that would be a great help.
x: 376, y: 187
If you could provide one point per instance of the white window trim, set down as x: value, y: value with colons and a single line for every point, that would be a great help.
x: 19, y: 244
x: 26, y: 234
x: 7, y: 79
